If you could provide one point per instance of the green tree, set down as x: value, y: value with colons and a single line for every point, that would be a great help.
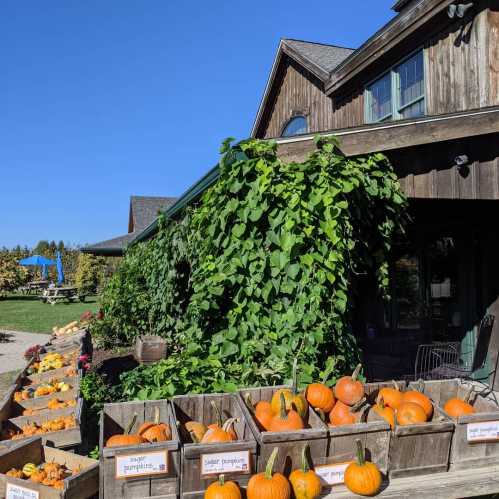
x: 12, y: 275
x: 89, y: 272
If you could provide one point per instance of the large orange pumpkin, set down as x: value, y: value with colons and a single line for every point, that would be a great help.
x: 286, y: 420
x: 155, y: 431
x: 216, y: 434
x: 416, y: 397
x: 349, y: 389
x: 305, y: 482
x: 126, y: 438
x: 410, y: 413
x: 222, y: 490
x: 269, y: 485
x: 456, y: 407
x: 320, y: 397
x: 362, y: 477
x: 343, y: 414
x: 392, y: 397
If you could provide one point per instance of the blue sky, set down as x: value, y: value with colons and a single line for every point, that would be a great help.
x: 101, y: 99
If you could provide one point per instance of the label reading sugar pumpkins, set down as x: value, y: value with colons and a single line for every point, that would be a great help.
x: 332, y: 474
x: 131, y: 465
x: 17, y: 492
x: 226, y: 462
x: 486, y: 431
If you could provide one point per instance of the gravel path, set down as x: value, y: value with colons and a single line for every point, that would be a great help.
x: 13, y: 344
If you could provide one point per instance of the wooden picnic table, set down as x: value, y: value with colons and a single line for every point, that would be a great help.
x: 35, y: 286
x: 66, y: 293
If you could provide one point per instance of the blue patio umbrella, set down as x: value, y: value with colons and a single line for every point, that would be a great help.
x: 60, y: 270
x: 38, y: 261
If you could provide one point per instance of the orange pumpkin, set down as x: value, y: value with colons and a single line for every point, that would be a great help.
x: 216, y: 434
x: 38, y: 476
x: 305, y: 482
x: 320, y: 397
x: 343, y: 414
x: 416, y: 397
x: 262, y: 411
x: 294, y: 399
x: 269, y: 485
x: 386, y: 412
x: 392, y: 397
x: 456, y: 407
x: 15, y: 473
x: 126, y: 438
x: 362, y: 477
x: 286, y: 420
x: 155, y: 431
x: 349, y: 389
x: 410, y: 413
x: 222, y: 490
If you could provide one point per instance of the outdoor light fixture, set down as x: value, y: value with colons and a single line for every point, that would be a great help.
x: 459, y: 10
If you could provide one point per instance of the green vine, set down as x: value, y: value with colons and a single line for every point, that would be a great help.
x: 263, y: 269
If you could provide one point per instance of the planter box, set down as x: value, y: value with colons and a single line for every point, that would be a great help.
x: 290, y: 443
x: 477, y: 450
x: 80, y: 486
x: 421, y: 449
x: 160, y: 484
x: 195, y: 456
x: 149, y: 349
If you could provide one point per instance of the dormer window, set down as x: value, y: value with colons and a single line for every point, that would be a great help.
x: 398, y: 94
x: 295, y: 126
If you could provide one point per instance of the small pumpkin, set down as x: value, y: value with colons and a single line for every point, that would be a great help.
x: 392, y: 397
x: 305, y: 482
x: 417, y: 397
x: 29, y: 469
x: 38, y: 476
x: 222, y: 490
x: 126, y: 438
x: 58, y: 484
x: 217, y: 434
x: 362, y: 477
x: 15, y: 473
x: 384, y: 411
x: 286, y: 420
x: 343, y: 414
x: 269, y: 485
x: 456, y: 407
x: 262, y: 411
x: 349, y: 389
x: 155, y: 431
x: 294, y: 399
x: 275, y: 402
x: 320, y: 397
x: 410, y: 413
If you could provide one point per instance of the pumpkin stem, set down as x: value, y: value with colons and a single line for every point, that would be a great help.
x: 270, y: 463
x: 284, y: 414
x: 420, y: 385
x: 360, y: 452
x: 294, y: 379
x: 218, y: 416
x: 395, y: 385
x: 305, y: 464
x: 249, y: 403
x: 381, y: 402
x: 221, y: 480
x: 131, y: 424
x: 356, y: 372
x: 156, y: 415
x: 229, y: 423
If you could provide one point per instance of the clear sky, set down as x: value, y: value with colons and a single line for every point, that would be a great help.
x: 101, y: 99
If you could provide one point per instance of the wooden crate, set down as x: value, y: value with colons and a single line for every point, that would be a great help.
x: 464, y: 453
x: 421, y: 449
x: 114, y: 419
x: 290, y: 443
x: 60, y: 373
x: 81, y: 338
x: 80, y: 486
x: 150, y: 348
x: 200, y: 408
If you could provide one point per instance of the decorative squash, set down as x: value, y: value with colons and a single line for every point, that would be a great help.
x: 275, y: 403
x: 217, y: 434
x: 349, y: 389
x: 196, y: 430
x: 155, y: 431
x: 126, y: 438
x: 410, y: 413
x: 15, y: 473
x: 58, y: 484
x: 386, y: 412
x: 38, y: 476
x: 392, y: 397
x: 222, y: 490
x: 362, y: 477
x: 321, y: 397
x: 29, y: 469
x: 294, y: 399
x: 286, y: 420
x: 456, y: 407
x: 262, y: 411
x: 417, y: 397
x: 343, y: 414
x: 305, y: 482
x: 268, y: 485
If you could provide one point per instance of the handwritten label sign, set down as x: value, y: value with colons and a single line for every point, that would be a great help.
x: 332, y: 474
x: 488, y: 431
x: 17, y: 492
x: 226, y: 462
x: 132, y: 465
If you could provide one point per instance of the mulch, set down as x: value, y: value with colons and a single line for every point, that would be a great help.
x: 112, y: 363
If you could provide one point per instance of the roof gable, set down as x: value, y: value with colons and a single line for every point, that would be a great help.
x: 144, y: 210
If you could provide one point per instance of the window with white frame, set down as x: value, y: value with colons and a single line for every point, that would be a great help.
x: 399, y: 94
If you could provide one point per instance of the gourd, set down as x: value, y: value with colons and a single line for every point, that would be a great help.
x: 269, y: 485
x: 362, y: 477
x: 29, y: 469
x: 384, y: 411
x: 293, y: 399
x: 14, y: 473
x: 343, y: 414
x: 38, y: 476
x: 417, y: 397
x: 286, y: 420
x: 320, y: 397
x: 410, y: 413
x: 262, y: 411
x: 126, y: 438
x: 155, y: 431
x: 456, y: 407
x: 392, y: 397
x: 196, y: 430
x: 305, y: 482
x: 349, y: 389
x: 222, y: 490
x: 216, y: 434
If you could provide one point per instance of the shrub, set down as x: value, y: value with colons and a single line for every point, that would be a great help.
x: 12, y: 275
x: 89, y: 273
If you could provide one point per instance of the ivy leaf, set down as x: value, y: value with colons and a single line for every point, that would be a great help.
x: 238, y: 230
x: 228, y: 348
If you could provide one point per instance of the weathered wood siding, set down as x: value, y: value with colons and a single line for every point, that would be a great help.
x: 296, y: 92
x: 349, y: 111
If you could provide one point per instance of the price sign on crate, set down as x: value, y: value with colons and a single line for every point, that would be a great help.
x: 487, y: 431
x: 238, y: 462
x: 133, y: 465
x: 332, y: 474
x: 17, y: 492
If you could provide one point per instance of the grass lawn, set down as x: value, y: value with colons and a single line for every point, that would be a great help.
x: 28, y: 313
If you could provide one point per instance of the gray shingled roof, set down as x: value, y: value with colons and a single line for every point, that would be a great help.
x: 327, y: 57
x: 145, y: 209
x: 113, y: 246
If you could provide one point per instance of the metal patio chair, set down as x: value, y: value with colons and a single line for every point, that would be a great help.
x: 443, y: 360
